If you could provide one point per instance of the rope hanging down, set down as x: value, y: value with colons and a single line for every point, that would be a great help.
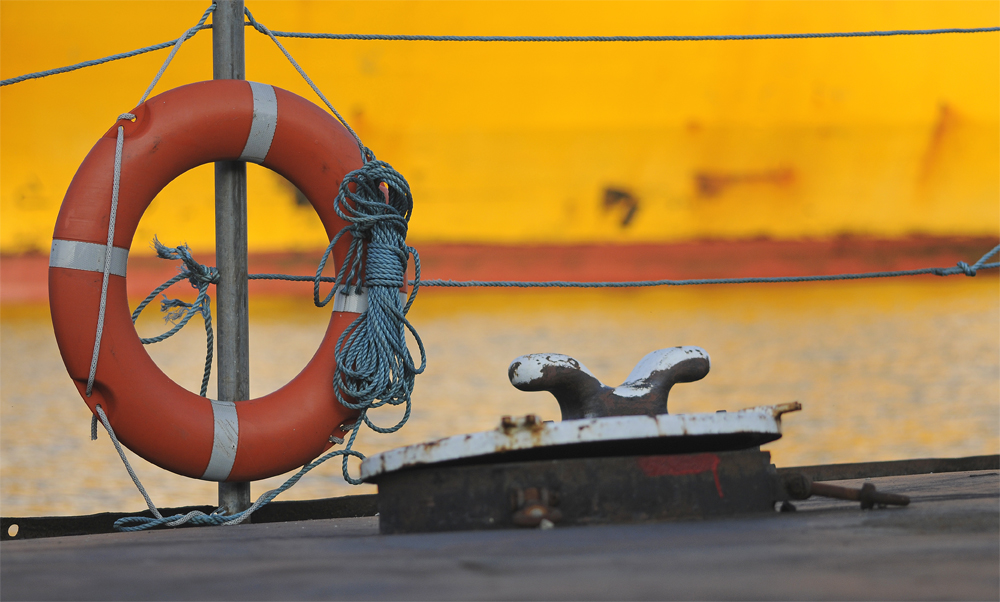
x: 374, y: 364
x: 114, y: 210
x: 200, y: 277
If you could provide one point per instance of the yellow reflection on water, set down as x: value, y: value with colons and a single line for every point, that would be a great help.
x: 884, y: 370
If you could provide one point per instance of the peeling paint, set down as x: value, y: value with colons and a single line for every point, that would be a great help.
x: 530, y: 432
x: 528, y: 368
x: 687, y: 464
x: 581, y: 395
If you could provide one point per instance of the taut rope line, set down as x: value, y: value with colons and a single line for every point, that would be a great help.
x: 432, y: 38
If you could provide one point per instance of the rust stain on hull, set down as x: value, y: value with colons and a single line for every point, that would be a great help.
x: 615, y: 197
x: 944, y: 127
x: 712, y: 184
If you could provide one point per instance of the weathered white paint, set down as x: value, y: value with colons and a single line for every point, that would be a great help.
x: 636, y: 384
x: 531, y: 365
x: 763, y: 420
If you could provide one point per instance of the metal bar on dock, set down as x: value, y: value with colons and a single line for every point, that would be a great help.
x: 231, y: 243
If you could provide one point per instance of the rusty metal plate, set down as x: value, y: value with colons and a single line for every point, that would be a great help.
x: 579, y: 491
x: 528, y: 438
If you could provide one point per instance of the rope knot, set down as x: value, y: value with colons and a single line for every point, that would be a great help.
x: 197, y: 274
x: 967, y: 269
x: 253, y: 22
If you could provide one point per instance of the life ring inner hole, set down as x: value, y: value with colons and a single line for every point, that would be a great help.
x: 285, y: 326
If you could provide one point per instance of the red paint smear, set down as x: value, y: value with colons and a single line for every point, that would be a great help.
x: 658, y: 466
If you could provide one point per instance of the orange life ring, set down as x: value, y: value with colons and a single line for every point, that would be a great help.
x: 176, y: 429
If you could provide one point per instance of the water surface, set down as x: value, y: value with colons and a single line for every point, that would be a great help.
x: 884, y: 370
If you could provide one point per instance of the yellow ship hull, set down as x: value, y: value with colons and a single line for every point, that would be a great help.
x: 569, y: 143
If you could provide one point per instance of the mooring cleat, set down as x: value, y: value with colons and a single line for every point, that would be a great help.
x: 581, y: 395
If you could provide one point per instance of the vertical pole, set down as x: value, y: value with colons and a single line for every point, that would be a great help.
x: 231, y: 243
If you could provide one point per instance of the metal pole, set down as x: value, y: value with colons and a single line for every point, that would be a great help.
x: 231, y: 243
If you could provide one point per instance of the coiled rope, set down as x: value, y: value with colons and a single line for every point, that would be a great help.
x: 374, y: 364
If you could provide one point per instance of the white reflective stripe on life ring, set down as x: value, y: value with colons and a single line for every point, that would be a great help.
x: 87, y: 256
x: 265, y: 120
x: 351, y: 302
x: 227, y: 438
x: 357, y: 303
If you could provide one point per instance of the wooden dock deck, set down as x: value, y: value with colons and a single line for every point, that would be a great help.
x: 945, y: 545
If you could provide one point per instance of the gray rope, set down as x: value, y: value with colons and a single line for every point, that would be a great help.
x: 708, y: 38
x: 128, y: 467
x: 374, y: 366
x: 199, y: 277
x: 114, y: 206
x: 197, y: 517
x: 430, y: 38
x: 100, y: 61
x: 261, y: 28
x: 172, y: 521
x: 173, y: 51
x: 107, y: 254
x: 961, y: 268
x: 218, y: 518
